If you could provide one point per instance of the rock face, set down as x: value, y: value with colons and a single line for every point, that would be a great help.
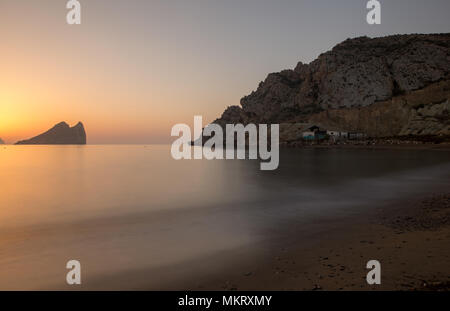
x: 421, y: 112
x: 379, y: 85
x: 60, y: 134
x: 2, y: 142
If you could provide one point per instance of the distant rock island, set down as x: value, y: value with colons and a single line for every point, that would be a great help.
x: 390, y: 86
x: 60, y: 134
x: 2, y: 142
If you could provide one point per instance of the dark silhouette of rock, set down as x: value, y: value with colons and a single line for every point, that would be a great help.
x: 2, y: 142
x: 394, y: 85
x: 60, y: 134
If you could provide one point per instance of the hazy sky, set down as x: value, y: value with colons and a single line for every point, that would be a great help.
x: 134, y: 68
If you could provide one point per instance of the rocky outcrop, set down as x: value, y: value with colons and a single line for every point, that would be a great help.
x: 360, y: 84
x: 60, y: 134
x: 2, y: 142
x: 421, y: 112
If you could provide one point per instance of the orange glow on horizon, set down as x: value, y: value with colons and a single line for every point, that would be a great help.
x: 125, y: 86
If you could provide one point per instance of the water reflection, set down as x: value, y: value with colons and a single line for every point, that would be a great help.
x: 122, y: 208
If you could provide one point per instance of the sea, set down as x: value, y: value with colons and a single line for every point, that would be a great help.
x: 134, y: 218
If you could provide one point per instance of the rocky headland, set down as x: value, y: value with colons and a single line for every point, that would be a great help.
x: 60, y: 134
x: 395, y: 86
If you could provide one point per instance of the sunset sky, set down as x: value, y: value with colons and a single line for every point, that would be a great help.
x: 134, y: 68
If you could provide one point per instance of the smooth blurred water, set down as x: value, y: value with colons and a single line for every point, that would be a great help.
x: 130, y: 208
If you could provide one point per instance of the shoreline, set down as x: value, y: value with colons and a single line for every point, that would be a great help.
x: 410, y: 239
x: 394, y: 144
x: 296, y: 242
x: 436, y: 147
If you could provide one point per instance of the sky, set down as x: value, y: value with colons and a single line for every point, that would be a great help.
x: 135, y: 68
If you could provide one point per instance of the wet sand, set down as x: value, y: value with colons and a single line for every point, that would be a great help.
x: 411, y: 240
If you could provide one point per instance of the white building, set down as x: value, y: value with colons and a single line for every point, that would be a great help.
x: 308, y: 135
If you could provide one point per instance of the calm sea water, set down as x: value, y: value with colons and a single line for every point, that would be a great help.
x: 124, y: 209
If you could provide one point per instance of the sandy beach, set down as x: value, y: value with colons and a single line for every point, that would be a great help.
x: 411, y: 241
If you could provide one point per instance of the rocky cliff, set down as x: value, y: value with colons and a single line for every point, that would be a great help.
x: 389, y: 86
x: 60, y: 134
x: 422, y: 112
x: 2, y: 142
